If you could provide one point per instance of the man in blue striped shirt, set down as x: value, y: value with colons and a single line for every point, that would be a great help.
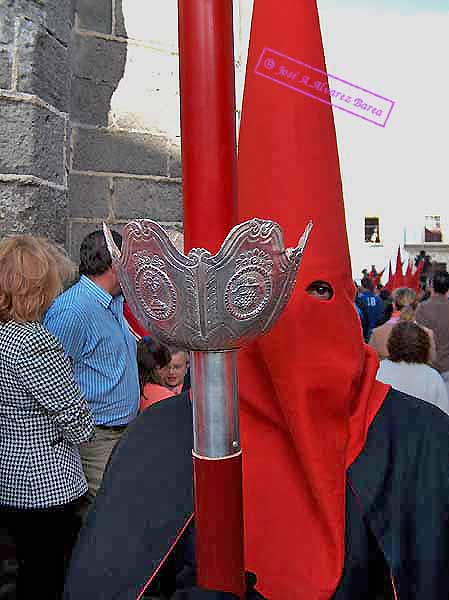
x: 88, y: 320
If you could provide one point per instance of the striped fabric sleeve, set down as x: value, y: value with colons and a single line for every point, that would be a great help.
x: 70, y: 330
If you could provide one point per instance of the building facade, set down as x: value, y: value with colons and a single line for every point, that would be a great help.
x: 90, y: 124
x: 89, y: 116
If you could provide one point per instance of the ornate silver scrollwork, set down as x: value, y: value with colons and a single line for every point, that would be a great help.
x: 205, y: 302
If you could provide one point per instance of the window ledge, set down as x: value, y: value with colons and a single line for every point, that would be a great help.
x: 427, y: 244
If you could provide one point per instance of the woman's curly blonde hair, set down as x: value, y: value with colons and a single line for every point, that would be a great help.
x: 33, y: 271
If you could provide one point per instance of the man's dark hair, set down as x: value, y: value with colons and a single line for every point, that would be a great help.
x: 385, y: 294
x: 94, y: 254
x: 440, y: 282
x: 367, y: 284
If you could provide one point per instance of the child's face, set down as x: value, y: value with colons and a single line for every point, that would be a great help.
x: 173, y: 374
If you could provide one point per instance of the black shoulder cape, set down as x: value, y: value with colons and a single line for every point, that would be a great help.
x: 397, y: 513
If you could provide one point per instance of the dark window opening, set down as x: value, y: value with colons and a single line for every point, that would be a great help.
x: 372, y: 231
x: 432, y: 229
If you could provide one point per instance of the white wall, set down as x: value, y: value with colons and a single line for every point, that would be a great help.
x: 398, y: 173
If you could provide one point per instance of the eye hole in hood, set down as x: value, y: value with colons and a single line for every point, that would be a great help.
x: 321, y: 290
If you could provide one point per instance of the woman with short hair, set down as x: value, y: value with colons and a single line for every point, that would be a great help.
x: 407, y: 369
x: 43, y: 417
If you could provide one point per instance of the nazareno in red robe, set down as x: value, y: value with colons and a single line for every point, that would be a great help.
x: 308, y: 394
x: 307, y: 389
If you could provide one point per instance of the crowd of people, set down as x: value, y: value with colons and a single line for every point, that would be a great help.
x: 410, y: 334
x: 74, y: 376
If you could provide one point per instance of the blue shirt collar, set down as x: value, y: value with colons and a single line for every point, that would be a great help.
x: 94, y: 290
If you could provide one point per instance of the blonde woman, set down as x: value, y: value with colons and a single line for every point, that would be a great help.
x: 43, y: 417
x: 405, y: 303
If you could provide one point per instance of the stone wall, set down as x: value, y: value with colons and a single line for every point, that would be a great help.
x: 34, y: 124
x: 125, y: 149
x: 89, y: 114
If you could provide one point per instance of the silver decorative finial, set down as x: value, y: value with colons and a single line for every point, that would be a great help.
x: 202, y: 302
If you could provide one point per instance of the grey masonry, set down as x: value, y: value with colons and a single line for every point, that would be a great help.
x: 78, y: 145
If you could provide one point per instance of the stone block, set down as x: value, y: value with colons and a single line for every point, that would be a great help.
x: 30, y: 9
x: 33, y: 209
x: 147, y: 199
x: 54, y: 15
x: 31, y: 141
x: 5, y: 69
x: 95, y: 16
x: 99, y: 60
x: 7, y: 15
x: 120, y: 28
x: 174, y: 164
x: 89, y: 196
x: 119, y: 152
x: 90, y: 101
x: 59, y: 18
x: 43, y: 65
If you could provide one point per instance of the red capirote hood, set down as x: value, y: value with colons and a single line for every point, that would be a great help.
x: 308, y: 390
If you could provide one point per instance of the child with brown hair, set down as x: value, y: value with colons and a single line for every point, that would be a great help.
x: 151, y: 357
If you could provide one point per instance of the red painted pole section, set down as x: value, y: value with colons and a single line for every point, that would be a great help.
x: 209, y: 164
x: 219, y: 524
x: 208, y: 138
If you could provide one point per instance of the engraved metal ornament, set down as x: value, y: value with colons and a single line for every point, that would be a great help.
x: 201, y: 301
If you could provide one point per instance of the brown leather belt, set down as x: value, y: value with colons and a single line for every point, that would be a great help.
x: 116, y: 428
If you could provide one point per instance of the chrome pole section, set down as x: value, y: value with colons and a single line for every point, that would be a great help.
x: 215, y: 404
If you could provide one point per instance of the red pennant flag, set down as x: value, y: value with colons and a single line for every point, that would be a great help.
x: 308, y: 389
x: 408, y: 277
x: 389, y: 284
x: 398, y: 280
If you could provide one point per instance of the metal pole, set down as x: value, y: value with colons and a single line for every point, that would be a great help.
x: 215, y: 406
x: 217, y: 461
x: 209, y: 161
